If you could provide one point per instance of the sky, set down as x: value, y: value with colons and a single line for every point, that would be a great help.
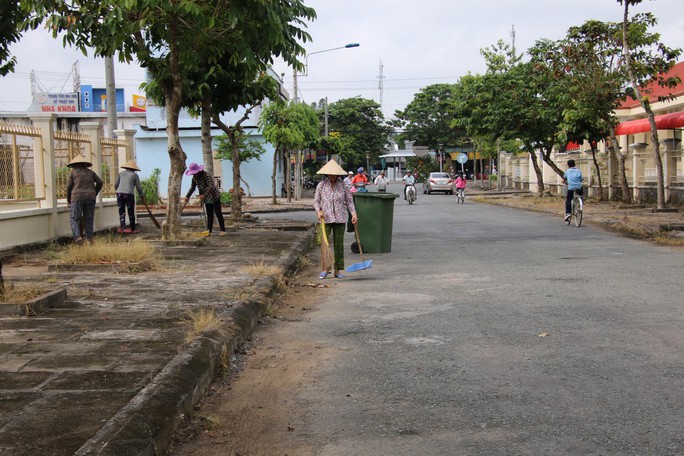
x: 419, y: 44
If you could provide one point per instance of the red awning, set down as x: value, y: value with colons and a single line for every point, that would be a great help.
x: 664, y: 122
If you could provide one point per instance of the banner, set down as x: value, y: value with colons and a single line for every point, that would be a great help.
x: 139, y: 104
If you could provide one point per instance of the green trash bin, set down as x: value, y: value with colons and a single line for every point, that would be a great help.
x: 375, y: 212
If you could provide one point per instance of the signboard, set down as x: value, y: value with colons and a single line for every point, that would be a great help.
x: 462, y: 158
x: 55, y: 102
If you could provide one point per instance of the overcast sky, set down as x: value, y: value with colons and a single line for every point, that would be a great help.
x: 419, y: 43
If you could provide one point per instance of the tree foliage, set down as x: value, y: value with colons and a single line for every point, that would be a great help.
x: 428, y: 118
x: 359, y: 128
x: 10, y: 18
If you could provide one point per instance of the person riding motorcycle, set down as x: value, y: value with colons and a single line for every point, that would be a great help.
x: 360, y: 181
x: 409, y: 180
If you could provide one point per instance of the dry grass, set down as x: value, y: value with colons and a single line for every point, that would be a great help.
x: 137, y: 256
x: 200, y: 320
x: 262, y: 269
x: 18, y: 294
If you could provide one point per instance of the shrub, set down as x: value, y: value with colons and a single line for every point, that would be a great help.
x: 151, y: 187
x: 226, y: 198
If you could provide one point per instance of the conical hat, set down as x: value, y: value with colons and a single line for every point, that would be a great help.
x: 332, y: 168
x: 79, y: 159
x: 130, y: 164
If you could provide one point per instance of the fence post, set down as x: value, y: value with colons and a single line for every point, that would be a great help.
x: 43, y: 162
x: 129, y: 153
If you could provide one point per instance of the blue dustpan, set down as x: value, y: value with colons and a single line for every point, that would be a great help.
x: 365, y: 264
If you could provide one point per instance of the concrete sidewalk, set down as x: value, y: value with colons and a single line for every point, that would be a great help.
x: 109, y: 372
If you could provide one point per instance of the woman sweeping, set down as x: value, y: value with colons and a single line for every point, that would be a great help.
x: 332, y: 200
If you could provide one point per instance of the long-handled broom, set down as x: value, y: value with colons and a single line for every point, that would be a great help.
x: 327, y: 258
x: 364, y: 264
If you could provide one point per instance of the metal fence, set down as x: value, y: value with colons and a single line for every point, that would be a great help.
x: 109, y: 148
x: 17, y: 171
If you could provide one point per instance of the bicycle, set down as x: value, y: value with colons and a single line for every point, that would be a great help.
x: 576, y: 209
x: 460, y: 195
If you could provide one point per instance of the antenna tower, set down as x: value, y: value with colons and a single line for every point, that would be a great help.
x: 513, y: 38
x: 380, y: 83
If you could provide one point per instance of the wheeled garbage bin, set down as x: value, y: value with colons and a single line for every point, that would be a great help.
x: 375, y: 212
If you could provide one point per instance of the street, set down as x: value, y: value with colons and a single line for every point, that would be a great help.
x: 486, y: 331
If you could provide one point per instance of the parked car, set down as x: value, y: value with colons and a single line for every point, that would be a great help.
x: 438, y: 182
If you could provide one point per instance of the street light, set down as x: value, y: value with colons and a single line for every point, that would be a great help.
x: 306, y: 66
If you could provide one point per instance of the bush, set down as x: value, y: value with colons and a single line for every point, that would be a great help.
x: 151, y: 187
x: 226, y: 198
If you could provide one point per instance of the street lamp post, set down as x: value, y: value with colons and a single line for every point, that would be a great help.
x: 295, y: 97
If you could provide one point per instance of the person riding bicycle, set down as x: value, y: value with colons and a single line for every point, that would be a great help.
x: 360, y: 181
x: 408, y: 181
x: 573, y: 177
x: 460, y: 183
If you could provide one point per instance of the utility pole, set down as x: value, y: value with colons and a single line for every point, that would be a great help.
x: 380, y: 84
x: 111, y: 96
x: 295, y: 89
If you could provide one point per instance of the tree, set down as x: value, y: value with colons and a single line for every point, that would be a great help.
x: 10, y: 18
x: 247, y: 148
x: 427, y: 119
x: 289, y: 127
x: 646, y: 60
x: 174, y: 41
x: 361, y: 127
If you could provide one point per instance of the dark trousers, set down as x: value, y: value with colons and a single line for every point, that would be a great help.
x: 86, y: 210
x: 211, y: 209
x: 337, y: 230
x: 568, y: 199
x: 126, y: 201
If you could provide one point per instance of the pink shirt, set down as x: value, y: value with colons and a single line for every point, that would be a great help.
x: 460, y: 182
x: 334, y: 200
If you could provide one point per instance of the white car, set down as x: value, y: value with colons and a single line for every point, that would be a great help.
x: 438, y: 182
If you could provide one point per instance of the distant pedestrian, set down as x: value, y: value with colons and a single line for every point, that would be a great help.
x: 381, y: 182
x: 332, y: 202
x: 209, y: 196
x: 348, y: 180
x: 126, y: 183
x: 83, y: 185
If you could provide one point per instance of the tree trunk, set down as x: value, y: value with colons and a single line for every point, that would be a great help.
x: 236, y: 203
x: 288, y: 178
x: 207, y: 153
x: 273, y: 175
x: 546, y: 156
x: 598, y: 172
x: 645, y: 103
x: 538, y: 172
x: 171, y: 228
x: 622, y: 169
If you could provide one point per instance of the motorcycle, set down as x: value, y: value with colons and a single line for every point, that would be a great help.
x: 310, y: 183
x: 411, y: 194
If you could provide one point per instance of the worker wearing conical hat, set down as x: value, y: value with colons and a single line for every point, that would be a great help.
x: 332, y: 201
x: 126, y: 183
x: 83, y: 185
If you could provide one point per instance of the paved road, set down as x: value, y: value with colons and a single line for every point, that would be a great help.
x: 493, y: 331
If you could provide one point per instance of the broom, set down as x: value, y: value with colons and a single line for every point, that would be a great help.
x: 364, y: 264
x: 154, y: 220
x: 327, y: 258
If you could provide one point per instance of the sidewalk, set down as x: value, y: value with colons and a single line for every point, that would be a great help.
x: 109, y: 372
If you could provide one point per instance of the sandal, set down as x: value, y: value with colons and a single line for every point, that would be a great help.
x: 339, y: 276
x: 323, y: 275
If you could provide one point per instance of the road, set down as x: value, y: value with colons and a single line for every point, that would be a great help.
x: 486, y: 331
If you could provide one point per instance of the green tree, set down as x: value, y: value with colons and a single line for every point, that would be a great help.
x: 10, y: 18
x: 248, y: 149
x: 646, y: 61
x: 428, y: 118
x: 289, y: 127
x: 360, y: 126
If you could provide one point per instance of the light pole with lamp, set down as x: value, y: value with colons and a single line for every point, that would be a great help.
x: 295, y: 97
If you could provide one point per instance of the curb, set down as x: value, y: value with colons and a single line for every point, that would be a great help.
x: 146, y: 425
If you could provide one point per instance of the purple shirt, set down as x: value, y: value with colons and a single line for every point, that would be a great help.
x: 334, y: 201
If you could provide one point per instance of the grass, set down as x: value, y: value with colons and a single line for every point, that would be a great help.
x: 17, y: 294
x: 200, y: 320
x: 138, y: 256
x: 262, y: 269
